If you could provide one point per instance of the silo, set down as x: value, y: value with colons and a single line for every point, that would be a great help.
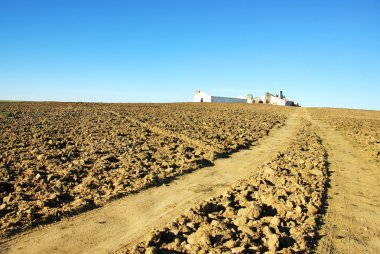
x: 267, y: 98
x: 249, y: 98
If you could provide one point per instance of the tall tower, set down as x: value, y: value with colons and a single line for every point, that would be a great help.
x: 281, y: 96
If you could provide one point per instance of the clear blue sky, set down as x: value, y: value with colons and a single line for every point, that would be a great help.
x: 321, y: 53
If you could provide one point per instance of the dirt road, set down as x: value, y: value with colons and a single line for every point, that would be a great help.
x: 129, y: 219
x: 352, y: 222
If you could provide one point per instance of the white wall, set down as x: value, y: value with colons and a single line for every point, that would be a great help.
x: 198, y: 96
x: 226, y: 99
x: 277, y: 101
x: 264, y: 98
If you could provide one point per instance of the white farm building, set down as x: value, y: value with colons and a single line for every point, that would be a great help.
x: 267, y: 98
x: 279, y: 99
x: 204, y: 97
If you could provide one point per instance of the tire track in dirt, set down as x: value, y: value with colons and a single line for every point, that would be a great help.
x: 127, y: 220
x: 352, y: 220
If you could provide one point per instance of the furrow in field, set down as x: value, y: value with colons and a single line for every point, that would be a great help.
x: 197, y: 144
x: 277, y: 208
x: 129, y: 219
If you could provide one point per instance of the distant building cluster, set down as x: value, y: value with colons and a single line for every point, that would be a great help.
x: 267, y: 98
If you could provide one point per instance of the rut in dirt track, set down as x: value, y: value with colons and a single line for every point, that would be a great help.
x: 352, y: 221
x: 129, y: 219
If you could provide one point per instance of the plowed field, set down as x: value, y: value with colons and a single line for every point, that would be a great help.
x: 208, y: 178
x: 60, y: 159
x: 361, y: 127
x: 276, y: 209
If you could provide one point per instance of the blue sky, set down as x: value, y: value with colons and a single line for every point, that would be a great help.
x: 320, y: 53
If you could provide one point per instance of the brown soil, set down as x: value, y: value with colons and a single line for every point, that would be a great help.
x: 278, y: 196
x: 61, y: 159
x: 275, y: 209
x: 360, y: 127
x: 352, y: 222
x: 130, y: 218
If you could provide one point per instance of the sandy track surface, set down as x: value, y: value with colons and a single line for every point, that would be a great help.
x: 352, y: 221
x: 127, y: 220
